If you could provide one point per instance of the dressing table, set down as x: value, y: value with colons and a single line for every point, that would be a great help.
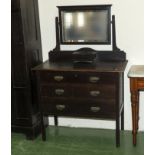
x: 90, y: 92
x: 136, y: 76
x: 84, y: 83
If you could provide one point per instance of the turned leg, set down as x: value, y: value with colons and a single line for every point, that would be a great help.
x: 56, y: 120
x: 137, y: 112
x: 134, y: 104
x: 43, y: 130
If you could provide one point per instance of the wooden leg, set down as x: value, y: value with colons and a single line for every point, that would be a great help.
x: 134, y: 104
x: 43, y: 129
x: 56, y: 120
x: 122, y: 119
x: 137, y: 112
x: 117, y: 131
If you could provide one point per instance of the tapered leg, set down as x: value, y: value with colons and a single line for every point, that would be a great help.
x: 122, y: 119
x: 56, y: 120
x: 43, y: 129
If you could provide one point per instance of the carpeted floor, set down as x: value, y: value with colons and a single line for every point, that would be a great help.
x: 77, y: 141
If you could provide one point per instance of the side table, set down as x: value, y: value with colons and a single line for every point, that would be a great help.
x: 136, y: 75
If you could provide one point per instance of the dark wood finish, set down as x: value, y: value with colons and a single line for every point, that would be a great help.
x: 108, y: 56
x: 56, y: 120
x: 114, y: 45
x: 25, y: 54
x: 82, y: 92
x: 86, y: 54
x: 57, y: 48
x: 136, y: 84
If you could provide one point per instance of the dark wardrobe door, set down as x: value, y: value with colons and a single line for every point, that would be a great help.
x: 26, y: 53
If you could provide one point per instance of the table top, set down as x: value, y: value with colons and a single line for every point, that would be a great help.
x: 68, y: 66
x: 136, y: 71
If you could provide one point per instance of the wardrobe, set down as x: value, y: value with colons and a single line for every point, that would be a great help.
x: 26, y: 52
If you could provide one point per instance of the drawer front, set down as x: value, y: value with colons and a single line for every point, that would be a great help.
x: 56, y: 90
x: 95, y: 91
x: 96, y: 78
x: 76, y: 77
x: 79, y: 90
x: 56, y: 77
x: 78, y: 94
x: 81, y: 108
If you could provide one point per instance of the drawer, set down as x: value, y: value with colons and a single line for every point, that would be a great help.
x: 56, y: 77
x: 87, y: 108
x: 77, y: 77
x: 96, y: 78
x: 103, y: 91
x: 98, y: 110
x: 56, y: 90
x: 78, y: 90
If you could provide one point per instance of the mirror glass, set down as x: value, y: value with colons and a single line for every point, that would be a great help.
x: 85, y: 26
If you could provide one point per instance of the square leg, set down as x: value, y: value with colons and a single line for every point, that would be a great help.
x: 56, y: 120
x: 117, y: 131
x: 43, y: 129
x: 122, y: 119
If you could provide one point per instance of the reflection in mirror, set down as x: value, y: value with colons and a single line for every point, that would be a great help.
x: 85, y: 26
x: 68, y: 20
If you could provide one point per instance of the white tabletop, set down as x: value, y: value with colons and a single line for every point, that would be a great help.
x: 136, y: 71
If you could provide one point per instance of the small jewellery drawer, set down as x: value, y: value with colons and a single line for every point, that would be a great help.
x: 56, y: 77
x: 81, y: 108
x: 56, y: 90
x: 95, y: 91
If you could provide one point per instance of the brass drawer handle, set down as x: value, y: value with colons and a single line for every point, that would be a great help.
x: 94, y: 93
x: 59, y: 91
x: 58, y: 78
x: 94, y: 79
x: 60, y: 107
x: 95, y: 109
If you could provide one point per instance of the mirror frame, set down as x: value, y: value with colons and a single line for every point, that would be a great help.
x: 85, y: 8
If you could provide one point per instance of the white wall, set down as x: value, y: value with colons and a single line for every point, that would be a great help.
x: 129, y: 27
